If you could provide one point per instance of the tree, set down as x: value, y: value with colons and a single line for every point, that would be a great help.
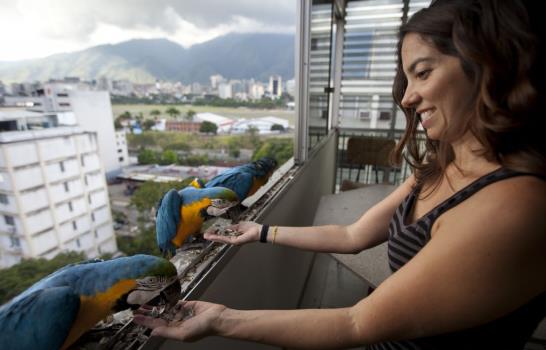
x: 147, y: 196
x: 190, y: 114
x: 234, y: 147
x: 148, y: 123
x: 208, y: 127
x: 120, y: 217
x: 253, y: 133
x: 19, y: 277
x: 146, y: 156
x: 173, y: 112
x: 117, y: 124
x: 168, y: 157
x: 280, y: 149
x: 155, y: 113
x: 277, y: 127
x: 139, y: 118
x: 147, y: 139
x: 125, y: 116
x: 179, y: 146
x: 143, y: 243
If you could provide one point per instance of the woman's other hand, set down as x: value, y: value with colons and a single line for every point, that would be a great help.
x: 193, y: 321
x: 244, y: 232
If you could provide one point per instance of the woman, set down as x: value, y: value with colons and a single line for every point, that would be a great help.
x: 466, y: 232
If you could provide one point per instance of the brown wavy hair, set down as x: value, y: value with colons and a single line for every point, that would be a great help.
x: 498, y: 44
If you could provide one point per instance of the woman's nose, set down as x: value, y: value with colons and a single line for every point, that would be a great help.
x: 410, y: 99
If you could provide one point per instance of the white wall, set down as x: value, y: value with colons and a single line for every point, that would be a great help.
x: 33, y: 200
x: 121, y: 148
x: 20, y: 154
x: 57, y: 148
x: 101, y: 215
x: 26, y: 178
x: 94, y: 181
x: 39, y: 222
x: 86, y: 143
x: 59, y: 193
x: 5, y: 181
x: 54, y: 172
x: 98, y: 199
x: 104, y: 232
x: 67, y: 231
x: 108, y: 246
x: 91, y: 162
x: 63, y: 210
x: 44, y: 242
x: 94, y: 112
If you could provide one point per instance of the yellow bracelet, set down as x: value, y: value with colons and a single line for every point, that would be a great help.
x: 275, y: 229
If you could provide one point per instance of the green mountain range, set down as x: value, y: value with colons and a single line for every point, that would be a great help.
x: 234, y: 56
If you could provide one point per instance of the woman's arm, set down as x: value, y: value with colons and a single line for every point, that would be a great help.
x: 370, y: 230
x: 473, y: 270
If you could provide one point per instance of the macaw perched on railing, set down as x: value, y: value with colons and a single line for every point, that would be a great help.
x: 245, y: 179
x: 57, y: 310
x: 180, y: 215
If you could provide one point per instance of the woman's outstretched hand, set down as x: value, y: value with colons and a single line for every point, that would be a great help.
x: 246, y: 232
x: 193, y: 321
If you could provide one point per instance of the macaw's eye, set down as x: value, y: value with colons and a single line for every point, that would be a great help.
x: 218, y: 202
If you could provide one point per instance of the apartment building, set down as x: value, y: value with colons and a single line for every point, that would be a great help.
x: 53, y: 194
x: 92, y: 111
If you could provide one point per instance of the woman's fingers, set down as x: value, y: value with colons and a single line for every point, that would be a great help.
x: 150, y: 322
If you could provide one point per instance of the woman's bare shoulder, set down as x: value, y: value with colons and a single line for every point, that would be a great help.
x: 516, y: 202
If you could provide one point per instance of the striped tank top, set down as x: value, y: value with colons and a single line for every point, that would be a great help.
x: 406, y: 240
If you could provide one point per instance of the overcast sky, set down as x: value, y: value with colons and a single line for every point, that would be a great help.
x: 38, y: 28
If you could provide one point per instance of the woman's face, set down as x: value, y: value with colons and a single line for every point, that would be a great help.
x: 438, y: 89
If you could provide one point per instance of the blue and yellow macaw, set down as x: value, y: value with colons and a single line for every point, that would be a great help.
x: 245, y: 179
x: 197, y: 183
x: 57, y: 310
x: 181, y: 214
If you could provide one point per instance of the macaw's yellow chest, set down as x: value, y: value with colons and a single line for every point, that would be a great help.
x: 94, y: 308
x: 256, y: 184
x: 191, y: 220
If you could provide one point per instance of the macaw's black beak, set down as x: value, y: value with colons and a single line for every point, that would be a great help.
x: 169, y: 295
x: 172, y: 294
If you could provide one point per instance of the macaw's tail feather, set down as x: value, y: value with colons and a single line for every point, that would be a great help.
x: 167, y: 219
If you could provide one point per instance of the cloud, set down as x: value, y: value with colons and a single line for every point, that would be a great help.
x: 78, y: 19
x: 34, y: 28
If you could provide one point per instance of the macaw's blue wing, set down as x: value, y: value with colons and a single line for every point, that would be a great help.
x: 40, y: 320
x: 239, y: 180
x: 167, y: 220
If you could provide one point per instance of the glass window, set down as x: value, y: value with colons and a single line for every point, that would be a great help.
x: 15, y: 242
x: 9, y: 220
x: 4, y: 198
x: 320, y: 55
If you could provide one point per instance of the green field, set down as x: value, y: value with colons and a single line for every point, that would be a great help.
x: 234, y: 113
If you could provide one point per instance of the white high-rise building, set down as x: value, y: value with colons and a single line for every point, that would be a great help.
x: 256, y: 90
x: 275, y: 86
x: 53, y: 194
x: 92, y: 111
x: 216, y: 80
x: 224, y: 90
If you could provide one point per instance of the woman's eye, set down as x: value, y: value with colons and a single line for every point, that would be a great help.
x: 423, y: 74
